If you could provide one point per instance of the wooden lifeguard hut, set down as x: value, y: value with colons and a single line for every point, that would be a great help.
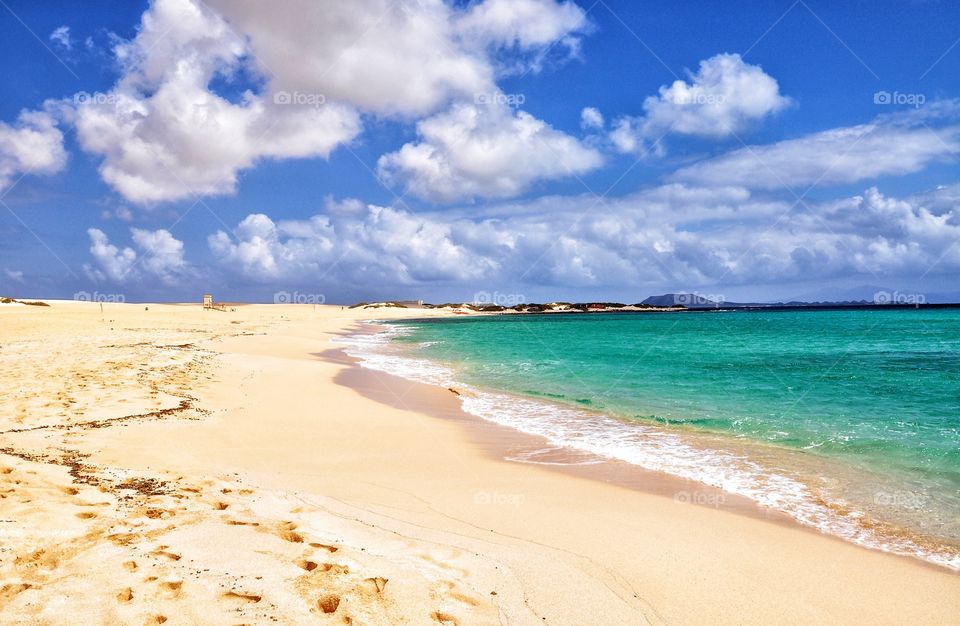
x: 208, y: 303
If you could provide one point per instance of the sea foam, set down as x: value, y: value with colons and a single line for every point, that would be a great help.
x: 649, y: 447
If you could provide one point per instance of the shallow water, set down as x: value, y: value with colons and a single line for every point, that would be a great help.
x: 848, y: 420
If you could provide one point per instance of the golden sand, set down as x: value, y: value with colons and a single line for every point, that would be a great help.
x: 182, y: 466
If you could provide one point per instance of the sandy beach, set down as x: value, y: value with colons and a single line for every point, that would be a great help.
x: 166, y: 464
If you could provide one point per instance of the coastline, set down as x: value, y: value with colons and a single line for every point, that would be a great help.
x: 504, y: 444
x: 423, y: 502
x: 708, y: 468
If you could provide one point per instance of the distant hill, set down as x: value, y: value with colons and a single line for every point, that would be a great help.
x: 879, y: 294
x: 689, y: 300
x: 697, y: 301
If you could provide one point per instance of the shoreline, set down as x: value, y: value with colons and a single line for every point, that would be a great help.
x: 292, y: 490
x: 514, y: 442
x: 503, y: 444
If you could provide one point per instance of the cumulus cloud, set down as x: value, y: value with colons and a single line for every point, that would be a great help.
x: 525, y: 25
x: 724, y: 97
x: 160, y: 257
x: 112, y: 263
x: 32, y: 145
x: 889, y: 146
x: 349, y: 242
x: 486, y: 151
x: 61, y: 37
x: 672, y: 236
x: 382, y: 56
x: 591, y: 119
x: 165, y: 135
x: 406, y: 58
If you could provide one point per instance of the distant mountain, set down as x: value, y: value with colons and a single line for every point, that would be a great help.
x: 842, y: 294
x: 879, y: 295
x: 689, y: 300
x: 697, y: 301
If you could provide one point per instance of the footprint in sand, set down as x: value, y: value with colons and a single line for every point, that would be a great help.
x: 307, y: 565
x: 248, y: 598
x: 328, y: 603
x: 286, y: 532
x: 11, y: 589
x: 332, y: 568
x: 445, y: 618
x: 376, y: 584
x: 323, y: 546
x: 167, y: 555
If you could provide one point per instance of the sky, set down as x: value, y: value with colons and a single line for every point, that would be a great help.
x: 496, y: 150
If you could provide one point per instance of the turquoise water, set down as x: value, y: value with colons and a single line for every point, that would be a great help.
x: 857, y: 409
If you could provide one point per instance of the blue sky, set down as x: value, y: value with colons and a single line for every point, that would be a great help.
x: 534, y: 148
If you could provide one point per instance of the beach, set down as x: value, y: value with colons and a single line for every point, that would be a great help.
x: 167, y: 464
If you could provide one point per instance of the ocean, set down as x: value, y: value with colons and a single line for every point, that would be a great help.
x: 846, y: 420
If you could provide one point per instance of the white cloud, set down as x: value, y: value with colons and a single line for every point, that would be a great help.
x: 350, y: 242
x: 160, y: 256
x: 14, y: 275
x: 669, y: 237
x: 33, y: 145
x: 485, y: 151
x: 884, y: 147
x: 381, y: 56
x: 165, y: 135
x: 112, y: 263
x: 525, y: 25
x: 121, y: 213
x: 61, y: 37
x: 591, y: 119
x: 407, y: 58
x: 724, y: 97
